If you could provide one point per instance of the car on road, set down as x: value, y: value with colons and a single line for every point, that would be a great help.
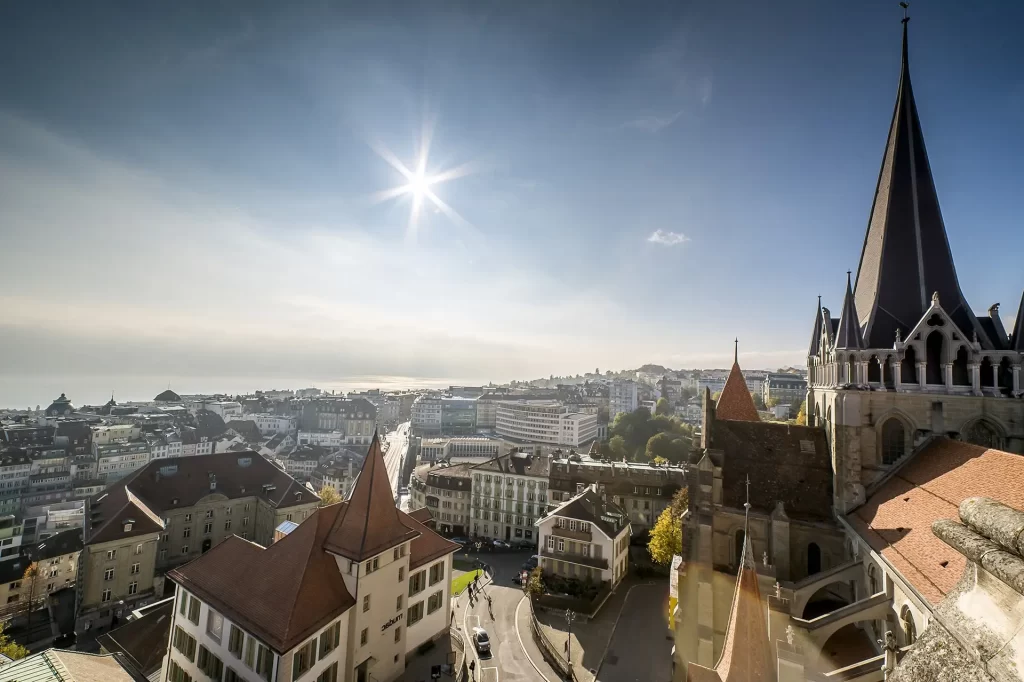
x: 459, y: 539
x: 481, y: 641
x: 530, y: 563
x: 501, y: 544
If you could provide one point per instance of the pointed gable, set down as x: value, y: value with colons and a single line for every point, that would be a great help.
x: 746, y: 653
x: 1017, y: 336
x: 735, y: 402
x: 816, y: 334
x: 906, y: 255
x: 370, y: 523
x: 848, y: 336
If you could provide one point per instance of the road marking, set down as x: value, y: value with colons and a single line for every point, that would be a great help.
x: 525, y: 653
x: 486, y: 676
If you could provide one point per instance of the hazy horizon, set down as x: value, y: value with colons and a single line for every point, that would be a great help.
x: 305, y: 193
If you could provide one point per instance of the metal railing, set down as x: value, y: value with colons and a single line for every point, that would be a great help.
x: 549, y: 651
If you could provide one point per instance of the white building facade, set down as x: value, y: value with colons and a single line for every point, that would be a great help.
x: 549, y: 422
x: 622, y: 396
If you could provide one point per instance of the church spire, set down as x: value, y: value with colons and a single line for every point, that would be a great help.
x: 848, y: 336
x: 906, y: 255
x: 816, y: 334
x: 735, y: 402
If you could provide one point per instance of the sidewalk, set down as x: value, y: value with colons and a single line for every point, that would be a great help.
x: 590, y: 639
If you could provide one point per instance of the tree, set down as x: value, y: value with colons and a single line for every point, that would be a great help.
x: 801, y: 416
x: 535, y: 583
x: 667, y: 535
x: 758, y: 400
x: 31, y: 581
x: 773, y: 401
x: 11, y: 650
x: 662, y: 407
x: 328, y: 495
x: 617, y: 447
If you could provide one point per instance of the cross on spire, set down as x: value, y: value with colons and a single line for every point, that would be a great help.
x: 906, y: 11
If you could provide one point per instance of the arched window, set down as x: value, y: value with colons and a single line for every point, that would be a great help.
x: 813, y: 558
x: 908, y: 368
x: 887, y: 374
x: 894, y: 441
x: 909, y: 627
x: 740, y: 537
x: 986, y: 372
x: 874, y: 370
x: 851, y: 372
x: 872, y: 580
x: 1005, y: 376
x: 933, y: 372
x: 961, y: 376
x: 981, y: 433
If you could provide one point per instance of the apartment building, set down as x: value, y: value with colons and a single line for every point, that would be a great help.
x: 336, y: 475
x: 163, y: 444
x: 113, y: 433
x: 426, y: 415
x: 435, y: 449
x: 170, y: 512
x: 270, y: 424
x: 355, y: 418
x: 586, y: 537
x: 622, y: 396
x: 43, y: 521
x: 15, y: 470
x: 302, y: 461
x: 117, y: 458
x: 787, y: 389
x: 458, y: 415
x: 445, y: 491
x: 509, y: 494
x: 225, y: 409
x: 347, y: 595
x: 56, y: 567
x: 548, y: 422
x: 642, y: 491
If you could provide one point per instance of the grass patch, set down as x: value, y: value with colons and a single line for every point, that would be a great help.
x: 463, y: 564
x: 462, y: 582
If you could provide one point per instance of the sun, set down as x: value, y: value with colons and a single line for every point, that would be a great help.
x: 419, y: 184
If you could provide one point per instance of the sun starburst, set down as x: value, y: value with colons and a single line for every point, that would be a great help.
x: 419, y: 184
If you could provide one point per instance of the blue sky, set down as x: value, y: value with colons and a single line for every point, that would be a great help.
x: 192, y: 190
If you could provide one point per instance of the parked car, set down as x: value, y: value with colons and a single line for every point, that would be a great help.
x: 523, y: 544
x: 501, y: 544
x: 481, y: 641
x: 530, y: 563
x: 459, y: 539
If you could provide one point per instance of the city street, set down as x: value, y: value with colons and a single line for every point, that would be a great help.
x: 397, y: 445
x: 514, y: 655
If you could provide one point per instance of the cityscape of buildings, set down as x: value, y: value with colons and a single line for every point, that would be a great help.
x: 860, y: 519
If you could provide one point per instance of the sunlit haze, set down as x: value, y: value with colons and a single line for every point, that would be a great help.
x: 242, y: 195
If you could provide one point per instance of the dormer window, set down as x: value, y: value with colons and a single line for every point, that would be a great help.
x: 128, y: 523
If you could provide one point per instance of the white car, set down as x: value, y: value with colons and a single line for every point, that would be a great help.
x: 481, y: 641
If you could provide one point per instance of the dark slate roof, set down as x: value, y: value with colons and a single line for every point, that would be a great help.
x: 1017, y: 338
x: 168, y: 396
x: 591, y: 507
x: 786, y: 463
x: 816, y: 334
x: 906, y: 255
x: 65, y: 542
x: 515, y: 462
x: 209, y: 424
x: 247, y: 429
x: 993, y: 327
x: 848, y: 336
x: 142, y: 641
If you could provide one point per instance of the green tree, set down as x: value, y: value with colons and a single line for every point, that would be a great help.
x: 617, y: 447
x: 328, y: 495
x: 535, y: 583
x: 758, y: 400
x: 662, y: 407
x: 773, y: 401
x: 11, y: 650
x: 667, y: 535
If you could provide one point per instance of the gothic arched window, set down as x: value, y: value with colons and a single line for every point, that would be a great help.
x: 933, y: 372
x: 894, y: 441
x: 908, y: 368
x: 872, y: 580
x: 909, y: 627
x: 813, y: 558
x: 981, y: 433
x: 961, y: 375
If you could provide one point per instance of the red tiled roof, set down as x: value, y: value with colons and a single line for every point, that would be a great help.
x: 422, y: 515
x: 428, y: 546
x: 369, y: 523
x: 897, y: 519
x: 284, y: 593
x: 746, y: 654
x: 735, y: 401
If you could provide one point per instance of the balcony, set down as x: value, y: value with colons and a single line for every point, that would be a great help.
x: 573, y: 558
x: 565, y: 532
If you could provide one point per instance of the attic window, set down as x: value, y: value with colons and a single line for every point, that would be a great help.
x: 807, y: 447
x: 244, y: 461
x: 128, y: 523
x: 943, y: 563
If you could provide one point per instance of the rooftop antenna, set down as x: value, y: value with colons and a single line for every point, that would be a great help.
x: 906, y: 11
x: 736, y: 351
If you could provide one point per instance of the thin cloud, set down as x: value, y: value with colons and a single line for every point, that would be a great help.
x: 652, y: 124
x: 667, y: 238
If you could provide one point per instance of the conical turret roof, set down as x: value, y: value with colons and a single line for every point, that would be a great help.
x: 735, y: 402
x: 848, y: 336
x: 906, y: 255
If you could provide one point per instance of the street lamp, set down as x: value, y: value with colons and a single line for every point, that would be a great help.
x: 570, y: 616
